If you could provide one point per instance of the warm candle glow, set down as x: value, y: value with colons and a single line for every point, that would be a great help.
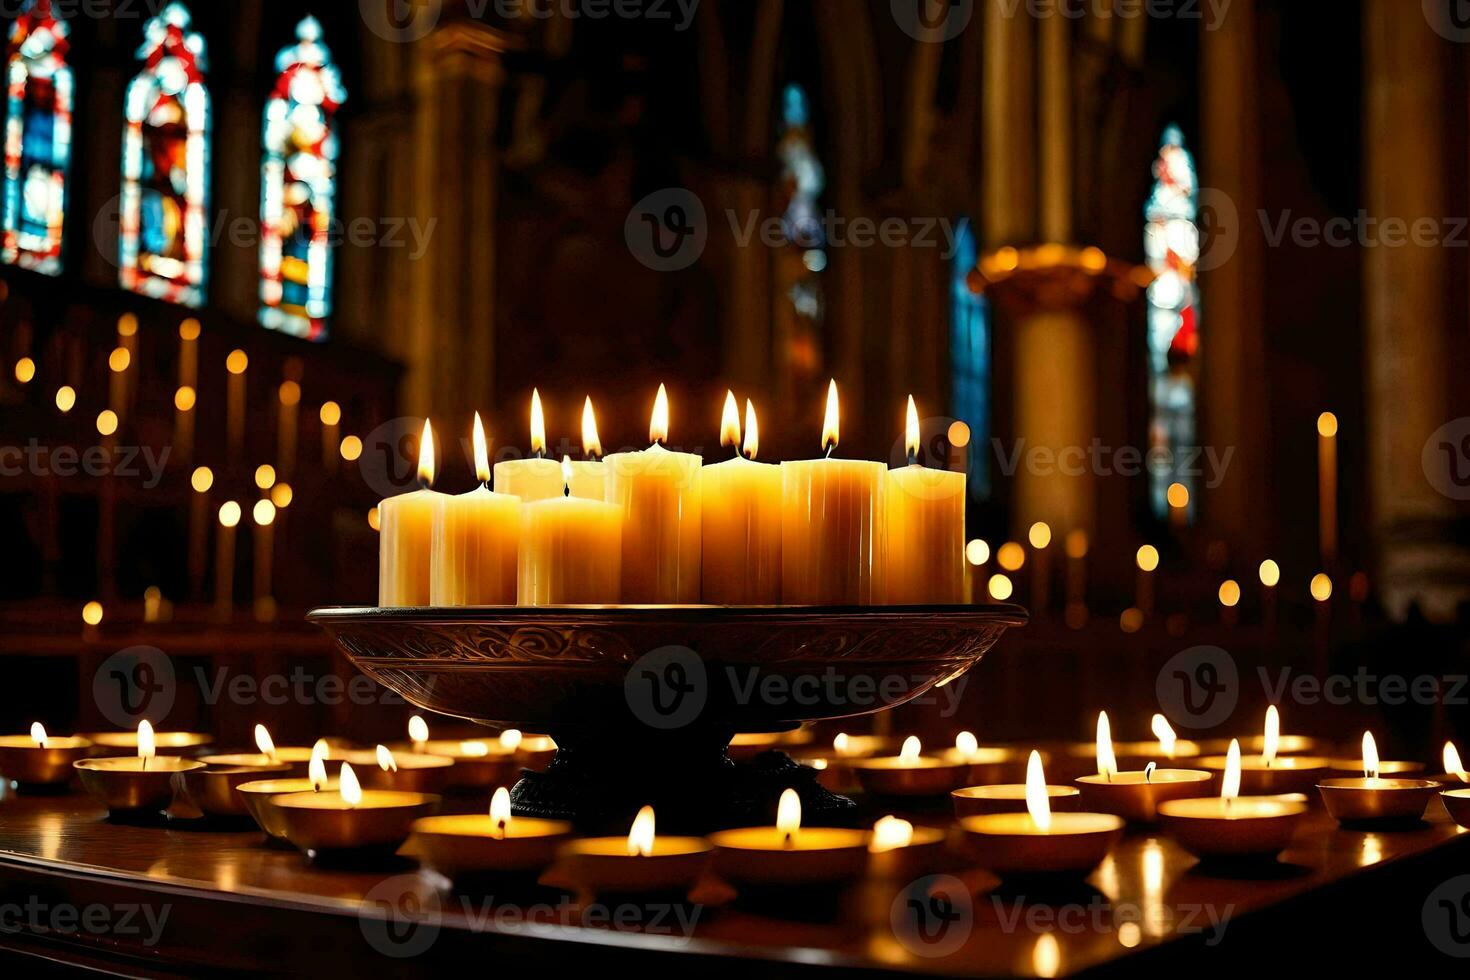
x: 909, y: 754
x: 321, y: 750
x: 316, y: 771
x: 282, y: 495
x: 752, y: 431
x: 348, y: 786
x: 1370, y: 756
x: 185, y: 399
x: 566, y: 473
x: 890, y: 833
x: 977, y: 552
x: 1327, y: 425
x: 591, y: 444
x: 840, y: 743
x: 1037, y: 803
x: 330, y: 413
x: 538, y: 424
x: 92, y: 613
x: 1178, y: 496
x: 265, y: 476
x: 1271, y: 742
x: 510, y: 739
x: 730, y: 422
x: 386, y: 762
x: 966, y: 744
x: 474, y: 749
x: 1011, y: 556
x: 147, y: 746
x: 264, y: 513
x: 1000, y: 588
x: 1452, y: 763
x: 1148, y: 558
x: 119, y: 360
x: 1270, y: 573
x: 1230, y: 782
x: 911, y: 431
x: 38, y: 734
x: 237, y: 362
x: 482, y: 452
x: 418, y: 730
x: 830, y: 428
x: 640, y: 837
x: 1039, y: 535
x: 263, y: 742
x: 25, y: 370
x: 788, y: 813
x: 1107, y: 762
x: 1164, y: 732
x: 500, y: 811
x: 426, y: 455
x: 1229, y: 593
x: 66, y: 398
x: 1321, y: 587
x: 658, y: 422
x: 106, y: 422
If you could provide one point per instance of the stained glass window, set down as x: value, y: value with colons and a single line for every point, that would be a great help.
x: 37, y: 139
x: 299, y: 187
x: 1171, y: 248
x: 165, y: 196
x: 799, y: 266
x: 969, y: 345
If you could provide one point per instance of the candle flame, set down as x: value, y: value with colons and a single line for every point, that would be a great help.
x: 348, y: 786
x: 752, y: 432
x: 566, y: 474
x: 1452, y: 763
x: 38, y: 735
x: 788, y: 814
x: 264, y: 744
x: 591, y: 444
x: 147, y: 747
x: 658, y: 423
x: 966, y: 744
x: 482, y: 452
x: 830, y: 428
x: 1148, y: 772
x: 316, y: 771
x: 1037, y: 803
x: 418, y: 730
x: 500, y: 811
x: 538, y: 424
x: 730, y: 422
x: 911, y: 431
x: 1271, y: 742
x: 1107, y: 762
x: 640, y: 837
x: 840, y: 743
x: 426, y: 455
x: 890, y: 833
x: 1164, y: 732
x: 1370, y: 756
x: 1230, y: 782
x: 510, y: 739
x: 475, y: 749
x: 386, y: 762
x: 321, y: 750
x: 909, y: 754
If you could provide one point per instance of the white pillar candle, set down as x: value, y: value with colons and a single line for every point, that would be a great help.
x: 533, y: 478
x: 476, y: 541
x: 571, y: 551
x: 406, y: 536
x: 740, y: 501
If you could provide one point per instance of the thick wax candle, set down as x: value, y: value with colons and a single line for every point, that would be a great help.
x: 406, y: 536
x: 571, y: 551
x: 924, y: 558
x: 476, y: 542
x: 534, y: 478
x: 589, y: 476
x: 832, y: 526
x: 741, y: 504
x: 657, y: 492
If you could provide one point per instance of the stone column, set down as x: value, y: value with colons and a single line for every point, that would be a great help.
x: 1056, y: 420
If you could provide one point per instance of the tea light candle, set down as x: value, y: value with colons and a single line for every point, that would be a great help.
x: 39, y: 759
x: 534, y: 478
x: 641, y: 862
x: 1269, y: 773
x: 832, y: 525
x: 1134, y: 795
x: 351, y: 819
x: 571, y: 551
x: 266, y: 754
x: 1372, y: 798
x: 1457, y: 802
x: 139, y: 784
x: 971, y: 801
x: 531, y: 750
x: 476, y: 541
x: 910, y: 773
x: 740, y: 500
x: 412, y: 772
x: 789, y: 854
x: 988, y: 764
x: 748, y: 745
x: 589, y: 475
x: 925, y: 543
x: 1232, y: 826
x: 899, y: 850
x: 496, y: 843
x: 1166, y: 746
x: 259, y: 796
x: 164, y: 743
x: 406, y: 536
x: 1040, y: 842
x: 658, y: 494
x: 477, y: 763
x: 1454, y: 769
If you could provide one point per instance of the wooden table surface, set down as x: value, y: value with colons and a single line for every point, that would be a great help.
x: 206, y: 899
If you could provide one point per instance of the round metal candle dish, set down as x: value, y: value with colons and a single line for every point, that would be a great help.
x: 1135, y: 796
x: 1457, y: 802
x: 924, y: 776
x: 463, y: 844
x: 478, y: 763
x: 212, y: 789
x: 1286, y: 774
x: 322, y: 822
x: 762, y: 856
x: 167, y: 743
x: 415, y: 773
x: 603, y: 864
x: 22, y: 760
x: 259, y: 798
x: 123, y: 785
x: 1245, y: 827
x: 1393, y: 767
x: 1012, y: 845
x: 993, y: 764
x: 1359, y: 800
x: 923, y: 855
x: 974, y: 801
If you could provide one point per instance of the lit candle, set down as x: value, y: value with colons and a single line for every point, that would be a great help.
x: 202, y: 479
x: 1453, y: 767
x: 987, y: 764
x: 478, y: 764
x: 264, y: 513
x: 1327, y: 486
x: 406, y: 536
x: 351, y: 819
x: 899, y: 850
x: 640, y: 862
x: 1076, y: 545
x: 1231, y: 825
x: 1136, y: 793
x: 1039, y: 537
x: 925, y: 512
x: 39, y: 759
x: 494, y: 843
x: 418, y: 772
x: 1270, y: 575
x: 589, y: 476
x: 832, y: 525
x: 330, y: 415
x: 1270, y: 773
x: 476, y: 541
x: 911, y: 773
x: 788, y: 853
x: 1373, y: 798
x: 289, y: 396
x: 259, y: 796
x: 212, y: 790
x: 658, y: 494
x: 535, y: 478
x: 224, y: 560
x: 1147, y: 560
x: 236, y: 364
x: 571, y: 551
x: 134, y: 784
x: 741, y: 504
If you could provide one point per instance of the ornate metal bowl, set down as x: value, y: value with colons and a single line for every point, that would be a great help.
x: 666, y: 667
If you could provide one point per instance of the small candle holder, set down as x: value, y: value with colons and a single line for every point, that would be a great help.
x: 1377, y: 800
x: 259, y: 796
x: 129, y: 785
x: 408, y: 772
x: 975, y: 801
x: 1338, y: 768
x: 640, y: 863
x: 1243, y: 827
x: 324, y: 825
x: 1285, y: 745
x: 460, y: 845
x: 1284, y: 774
x: 212, y: 789
x: 478, y: 763
x: 536, y: 751
x: 910, y: 773
x: 41, y: 767
x: 167, y: 743
x: 1134, y: 756
x: 990, y: 765
x: 788, y: 854
x: 1135, y: 796
x: 899, y: 851
x: 1014, y: 845
x: 1457, y: 802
